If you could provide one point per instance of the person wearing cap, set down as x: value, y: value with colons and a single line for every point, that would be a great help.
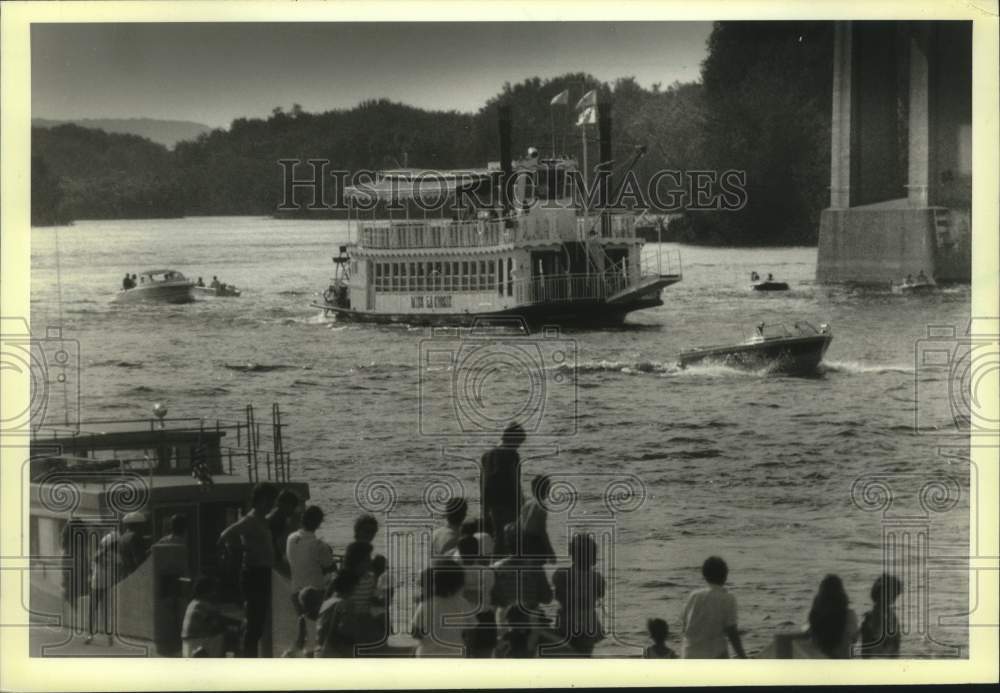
x: 133, y: 547
x: 502, y: 496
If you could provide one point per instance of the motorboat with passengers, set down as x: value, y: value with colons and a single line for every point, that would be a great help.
x: 158, y: 286
x: 774, y: 348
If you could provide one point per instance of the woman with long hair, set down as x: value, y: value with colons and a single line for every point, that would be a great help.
x: 346, y: 619
x: 833, y: 626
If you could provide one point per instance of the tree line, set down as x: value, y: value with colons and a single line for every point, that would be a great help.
x: 762, y: 106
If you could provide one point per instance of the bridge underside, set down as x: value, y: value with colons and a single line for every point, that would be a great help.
x: 901, y: 153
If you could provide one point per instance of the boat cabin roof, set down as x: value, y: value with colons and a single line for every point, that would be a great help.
x: 154, y: 272
x: 408, y: 184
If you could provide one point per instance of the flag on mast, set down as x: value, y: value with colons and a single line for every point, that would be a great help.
x: 560, y: 99
x: 589, y: 100
x: 588, y: 116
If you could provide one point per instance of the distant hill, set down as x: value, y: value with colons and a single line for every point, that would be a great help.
x: 165, y: 132
x: 84, y: 173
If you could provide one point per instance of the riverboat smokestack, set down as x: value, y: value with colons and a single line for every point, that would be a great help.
x: 604, y: 169
x: 505, y: 166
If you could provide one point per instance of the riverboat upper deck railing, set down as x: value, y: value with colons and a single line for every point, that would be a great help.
x: 111, y: 444
x: 596, y: 286
x: 483, y: 233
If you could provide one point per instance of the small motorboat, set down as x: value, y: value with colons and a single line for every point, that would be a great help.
x: 158, y: 286
x: 775, y: 348
x: 220, y: 291
x: 920, y: 285
x: 769, y: 284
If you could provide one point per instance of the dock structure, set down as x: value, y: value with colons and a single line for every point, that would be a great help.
x: 901, y: 153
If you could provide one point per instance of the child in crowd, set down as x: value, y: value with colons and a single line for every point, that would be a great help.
x: 309, y: 600
x: 204, y: 625
x: 474, y: 528
x: 658, y: 634
x: 383, y: 593
x: 710, y: 616
x: 481, y: 639
x: 519, y: 640
x: 365, y: 529
x: 444, y: 539
x: 880, y: 627
x: 346, y: 620
x: 520, y: 581
x: 441, y: 618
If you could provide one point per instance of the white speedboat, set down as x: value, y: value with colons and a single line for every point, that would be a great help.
x: 158, y: 286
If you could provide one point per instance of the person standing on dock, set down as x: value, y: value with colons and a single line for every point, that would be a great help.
x: 502, y: 496
x: 444, y: 539
x: 133, y: 546
x: 579, y: 590
x: 880, y: 626
x: 310, y: 559
x: 710, y: 616
x: 535, y: 517
x: 253, y: 532
x: 833, y: 625
x: 283, y: 521
x: 105, y: 572
x: 178, y: 531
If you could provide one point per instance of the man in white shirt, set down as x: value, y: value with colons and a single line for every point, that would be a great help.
x: 710, y: 616
x: 310, y: 560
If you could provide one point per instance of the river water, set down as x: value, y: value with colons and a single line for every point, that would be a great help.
x: 786, y: 478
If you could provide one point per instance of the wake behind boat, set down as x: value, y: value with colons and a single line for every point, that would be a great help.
x: 775, y: 348
x: 921, y: 285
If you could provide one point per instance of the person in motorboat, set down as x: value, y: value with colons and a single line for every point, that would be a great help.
x: 770, y: 277
x: 127, y: 282
x: 201, y: 282
x: 754, y: 277
x: 215, y: 282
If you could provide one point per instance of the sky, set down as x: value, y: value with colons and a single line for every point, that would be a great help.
x: 213, y: 73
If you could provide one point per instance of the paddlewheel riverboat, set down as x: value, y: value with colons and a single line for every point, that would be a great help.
x: 537, y: 256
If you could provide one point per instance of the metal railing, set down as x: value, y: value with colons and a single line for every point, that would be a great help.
x: 571, y: 287
x: 619, y: 226
x: 482, y: 233
x: 254, y: 445
x: 434, y: 234
x: 656, y: 261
